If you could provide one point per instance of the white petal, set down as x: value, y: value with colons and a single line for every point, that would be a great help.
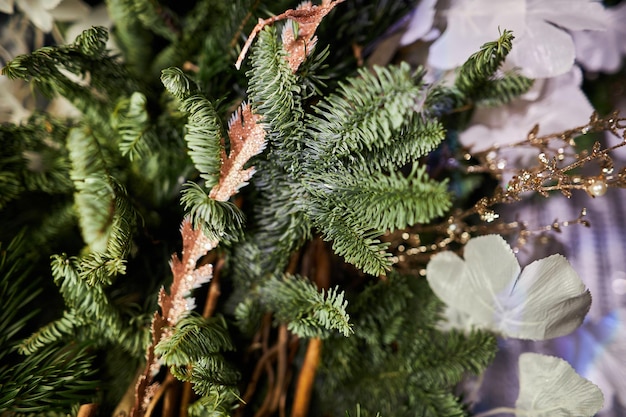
x: 570, y: 14
x: 70, y: 10
x: 549, y: 300
x: 549, y: 387
x: 543, y: 51
x: 596, y: 51
x: 421, y: 22
x: 475, y: 286
x: 491, y: 257
x: 37, y: 13
x: 445, y: 274
x: 6, y: 6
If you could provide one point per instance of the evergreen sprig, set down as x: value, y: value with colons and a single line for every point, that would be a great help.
x: 131, y: 120
x: 313, y: 161
x: 396, y: 348
x: 194, y: 352
x: 204, y: 132
x: 365, y: 111
x: 477, y: 78
x: 55, y: 379
x: 87, y: 55
x: 220, y: 220
x: 308, y: 312
x: 59, y: 377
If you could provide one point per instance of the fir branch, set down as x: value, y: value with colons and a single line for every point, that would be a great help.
x: 203, y: 137
x: 483, y: 64
x: 91, y: 315
x: 55, y: 379
x: 416, y: 138
x: 383, y: 201
x: 217, y: 402
x: 476, y: 79
x: 104, y: 213
x: 193, y: 338
x: 157, y: 18
x: 133, y: 39
x: 436, y: 403
x: 452, y: 357
x: 385, y: 357
x: 131, y: 121
x: 87, y: 55
x: 219, y: 220
x: 309, y: 313
x: 212, y: 371
x: 365, y: 112
x: 17, y: 291
x: 193, y: 351
x: 51, y: 334
x: 500, y: 91
x: 274, y: 93
x: 33, y: 158
x: 362, y: 248
x: 10, y: 187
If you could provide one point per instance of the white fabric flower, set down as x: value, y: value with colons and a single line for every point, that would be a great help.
x: 560, y: 105
x: 541, y: 49
x: 43, y: 13
x: 546, y: 300
x: 603, y: 50
x: 420, y: 26
x: 549, y: 387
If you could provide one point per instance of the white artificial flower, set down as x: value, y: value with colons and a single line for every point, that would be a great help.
x: 421, y: 24
x: 549, y: 387
x: 546, y: 300
x: 603, y: 51
x: 541, y: 49
x: 43, y: 13
x: 559, y: 105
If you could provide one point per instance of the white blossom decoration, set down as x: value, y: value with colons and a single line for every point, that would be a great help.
x: 549, y: 387
x: 542, y: 47
x: 43, y: 13
x: 546, y: 300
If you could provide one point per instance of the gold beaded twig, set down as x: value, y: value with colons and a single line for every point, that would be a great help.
x: 558, y: 169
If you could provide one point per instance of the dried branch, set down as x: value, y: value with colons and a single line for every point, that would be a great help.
x: 306, y: 378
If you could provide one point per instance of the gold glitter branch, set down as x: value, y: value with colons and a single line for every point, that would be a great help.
x: 187, y: 275
x: 298, y: 45
x: 558, y: 168
x: 247, y: 138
